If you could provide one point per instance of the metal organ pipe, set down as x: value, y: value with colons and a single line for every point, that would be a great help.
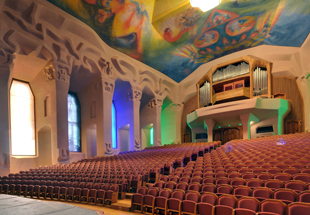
x: 231, y: 71
x: 204, y: 94
x: 260, y: 81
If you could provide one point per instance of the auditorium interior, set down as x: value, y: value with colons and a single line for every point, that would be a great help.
x: 153, y: 106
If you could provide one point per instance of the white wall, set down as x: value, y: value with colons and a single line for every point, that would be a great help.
x: 273, y: 121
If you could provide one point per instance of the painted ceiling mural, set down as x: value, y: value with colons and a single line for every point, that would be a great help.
x: 186, y: 38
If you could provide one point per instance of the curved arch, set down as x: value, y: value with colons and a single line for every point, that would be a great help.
x: 148, y: 74
x: 130, y: 68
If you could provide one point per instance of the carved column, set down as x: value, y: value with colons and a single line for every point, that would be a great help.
x: 108, y: 89
x: 62, y: 83
x: 209, y: 123
x: 6, y: 65
x: 157, y: 123
x: 178, y: 116
x: 135, y: 142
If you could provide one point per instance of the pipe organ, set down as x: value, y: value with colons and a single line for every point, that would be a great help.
x: 242, y: 78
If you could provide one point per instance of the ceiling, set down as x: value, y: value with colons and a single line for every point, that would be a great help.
x: 175, y: 39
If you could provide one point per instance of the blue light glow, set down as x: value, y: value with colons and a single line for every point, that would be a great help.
x: 151, y: 136
x: 114, y: 146
x: 74, y: 132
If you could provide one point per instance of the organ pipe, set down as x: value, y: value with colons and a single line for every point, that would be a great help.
x: 231, y: 71
x: 260, y: 79
x: 205, y: 94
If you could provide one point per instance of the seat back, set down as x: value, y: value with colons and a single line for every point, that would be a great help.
x: 193, y: 196
x: 165, y: 193
x: 286, y: 194
x: 227, y: 200
x: 181, y: 186
x: 242, y: 191
x: 178, y: 194
x: 273, y: 206
x: 305, y: 196
x: 194, y: 186
x: 262, y: 193
x: 142, y: 190
x: 249, y: 203
x: 209, y: 198
x: 298, y: 208
x: 153, y: 191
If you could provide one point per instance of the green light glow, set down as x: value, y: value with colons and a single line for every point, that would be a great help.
x: 228, y: 125
x: 151, y: 136
x: 219, y: 126
x: 240, y: 124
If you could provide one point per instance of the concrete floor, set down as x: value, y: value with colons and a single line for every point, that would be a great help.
x: 15, y: 205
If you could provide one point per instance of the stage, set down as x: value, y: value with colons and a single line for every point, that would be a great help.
x: 13, y: 205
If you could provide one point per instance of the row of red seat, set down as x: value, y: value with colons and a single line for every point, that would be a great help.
x: 228, y: 188
x: 264, y: 176
x: 192, y: 203
x: 75, y: 192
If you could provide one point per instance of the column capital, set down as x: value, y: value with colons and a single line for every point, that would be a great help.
x: 157, y: 101
x: 58, y: 71
x: 133, y: 94
x: 108, y: 85
x: 176, y: 106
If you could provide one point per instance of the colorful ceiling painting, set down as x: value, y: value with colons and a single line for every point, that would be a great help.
x: 185, y: 38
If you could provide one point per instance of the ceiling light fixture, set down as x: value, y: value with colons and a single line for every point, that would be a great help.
x: 205, y: 5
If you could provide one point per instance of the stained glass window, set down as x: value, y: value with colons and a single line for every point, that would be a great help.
x: 22, y: 119
x: 74, y: 133
x: 114, y: 145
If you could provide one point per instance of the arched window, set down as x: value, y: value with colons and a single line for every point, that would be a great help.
x: 22, y: 119
x: 114, y: 145
x: 74, y: 130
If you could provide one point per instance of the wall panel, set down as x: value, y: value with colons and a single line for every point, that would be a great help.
x: 290, y: 88
x: 188, y: 107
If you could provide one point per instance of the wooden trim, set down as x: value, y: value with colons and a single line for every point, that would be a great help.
x: 198, y: 95
x: 283, y: 77
x: 303, y: 107
x: 269, y: 78
x: 251, y: 80
x: 231, y: 79
x: 211, y: 89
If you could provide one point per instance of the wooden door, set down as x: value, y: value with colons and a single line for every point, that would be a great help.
x: 293, y: 126
x: 231, y: 134
x: 217, y: 135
